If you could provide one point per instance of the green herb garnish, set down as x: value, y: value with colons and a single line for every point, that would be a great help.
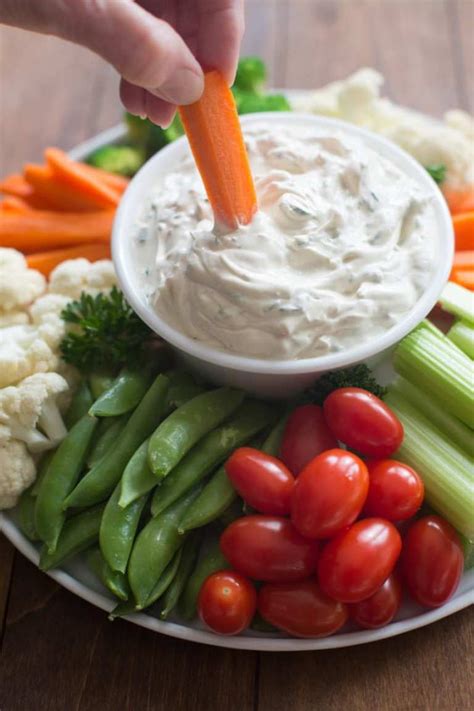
x: 437, y: 172
x: 358, y: 376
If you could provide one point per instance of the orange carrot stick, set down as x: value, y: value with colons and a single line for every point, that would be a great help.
x: 463, y: 277
x: 460, y: 200
x: 464, y: 260
x: 45, y: 262
x: 61, y: 197
x: 112, y: 180
x: 464, y: 231
x: 15, y: 204
x: 213, y: 129
x: 39, y: 230
x: 18, y: 186
x: 72, y: 174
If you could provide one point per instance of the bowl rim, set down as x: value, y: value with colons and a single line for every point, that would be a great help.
x: 132, y: 201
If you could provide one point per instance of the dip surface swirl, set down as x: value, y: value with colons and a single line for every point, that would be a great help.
x: 340, y: 249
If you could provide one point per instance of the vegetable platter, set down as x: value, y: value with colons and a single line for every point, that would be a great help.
x: 230, y: 424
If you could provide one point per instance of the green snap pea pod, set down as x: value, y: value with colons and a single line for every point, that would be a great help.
x: 26, y: 515
x: 137, y: 478
x: 214, y: 499
x: 42, y: 469
x: 80, y: 404
x: 101, y: 480
x: 78, y: 533
x: 154, y: 548
x: 210, y: 561
x: 99, y: 383
x: 272, y: 443
x: 187, y: 562
x: 118, y: 529
x: 122, y: 609
x: 175, y: 436
x: 124, y: 395
x: 183, y: 387
x: 62, y: 474
x: 114, y: 581
x: 246, y: 421
x: 108, y: 432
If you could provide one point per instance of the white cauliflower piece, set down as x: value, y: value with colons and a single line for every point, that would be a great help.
x: 22, y: 353
x: 19, y: 286
x: 30, y: 412
x: 46, y: 316
x: 13, y: 318
x: 17, y: 472
x: 74, y: 276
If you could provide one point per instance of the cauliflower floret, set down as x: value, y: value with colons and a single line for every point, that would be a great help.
x: 13, y: 318
x: 19, y: 286
x: 32, y: 404
x: 22, y: 353
x: 77, y: 275
x: 17, y: 472
x: 46, y: 315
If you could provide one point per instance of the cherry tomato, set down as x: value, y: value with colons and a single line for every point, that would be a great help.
x: 395, y: 490
x: 329, y: 493
x: 269, y: 548
x: 380, y: 608
x: 227, y: 602
x: 306, y: 435
x: 262, y: 481
x: 363, y: 422
x: 432, y: 561
x: 301, y: 609
x: 354, y: 564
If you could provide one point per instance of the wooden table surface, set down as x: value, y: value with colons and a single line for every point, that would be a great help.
x: 59, y: 652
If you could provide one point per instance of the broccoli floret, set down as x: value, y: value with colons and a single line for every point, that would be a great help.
x: 248, y: 103
x: 251, y: 74
x: 145, y: 134
x: 124, y: 160
x: 175, y: 130
x: 358, y: 376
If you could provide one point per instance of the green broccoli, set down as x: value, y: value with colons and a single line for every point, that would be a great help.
x: 357, y: 376
x: 175, y: 130
x: 124, y: 160
x: 248, y: 103
x: 251, y: 75
x: 145, y: 134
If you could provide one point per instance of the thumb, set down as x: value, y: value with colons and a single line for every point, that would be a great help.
x: 145, y: 50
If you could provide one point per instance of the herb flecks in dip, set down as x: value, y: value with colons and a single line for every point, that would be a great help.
x: 340, y: 250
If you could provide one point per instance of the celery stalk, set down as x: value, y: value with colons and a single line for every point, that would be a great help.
x: 458, y: 301
x: 453, y: 428
x: 447, y: 471
x: 436, y: 365
x: 462, y: 335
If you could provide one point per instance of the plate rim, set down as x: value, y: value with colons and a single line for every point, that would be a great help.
x: 191, y: 634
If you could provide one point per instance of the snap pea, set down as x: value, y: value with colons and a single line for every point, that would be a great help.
x: 154, y: 547
x: 101, y: 480
x: 42, y: 469
x: 124, y: 395
x: 272, y: 443
x: 137, y: 478
x: 99, y: 383
x: 118, y: 529
x: 166, y: 578
x: 214, y: 499
x: 210, y: 561
x: 78, y: 534
x: 80, y: 404
x: 175, y: 436
x: 246, y: 421
x: 61, y: 476
x: 183, y: 387
x: 26, y: 515
x: 114, y: 581
x: 189, y: 553
x: 108, y: 431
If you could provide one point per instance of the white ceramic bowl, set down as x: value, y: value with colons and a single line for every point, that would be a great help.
x: 275, y: 378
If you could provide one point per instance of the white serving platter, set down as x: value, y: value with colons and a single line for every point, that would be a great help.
x: 77, y: 578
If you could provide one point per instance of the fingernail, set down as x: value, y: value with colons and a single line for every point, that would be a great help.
x: 184, y: 87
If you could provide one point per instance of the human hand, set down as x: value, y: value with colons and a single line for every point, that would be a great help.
x: 158, y: 46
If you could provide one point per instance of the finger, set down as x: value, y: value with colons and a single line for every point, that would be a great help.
x: 159, y: 111
x: 221, y: 28
x: 145, y: 50
x: 133, y: 97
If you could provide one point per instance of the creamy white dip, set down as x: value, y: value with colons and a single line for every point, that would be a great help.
x: 340, y: 249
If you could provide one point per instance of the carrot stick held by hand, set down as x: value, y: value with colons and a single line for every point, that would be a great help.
x: 213, y: 130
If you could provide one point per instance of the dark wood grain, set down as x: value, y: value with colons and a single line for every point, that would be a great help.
x: 61, y: 653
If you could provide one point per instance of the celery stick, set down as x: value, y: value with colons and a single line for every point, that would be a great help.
x: 439, y: 367
x: 462, y: 334
x: 447, y: 471
x: 451, y: 426
x: 458, y: 301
